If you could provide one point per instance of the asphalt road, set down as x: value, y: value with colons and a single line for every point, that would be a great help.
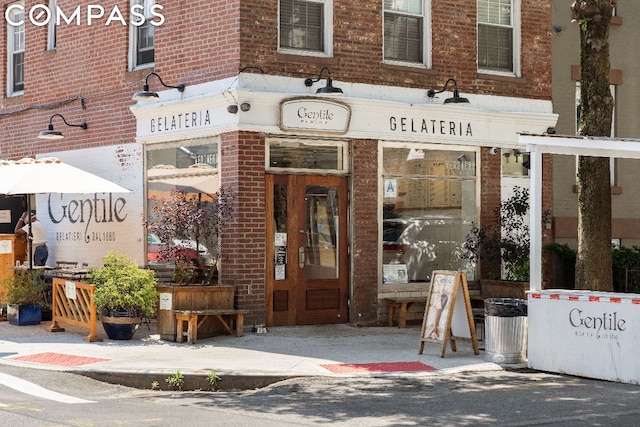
x: 496, y: 398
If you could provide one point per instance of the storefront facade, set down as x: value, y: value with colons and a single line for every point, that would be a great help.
x: 340, y: 201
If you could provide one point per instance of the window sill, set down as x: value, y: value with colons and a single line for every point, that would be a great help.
x: 498, y: 77
x: 306, y: 59
x: 409, y: 68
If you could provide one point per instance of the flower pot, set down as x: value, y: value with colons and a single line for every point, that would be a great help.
x: 21, y: 315
x: 120, y: 325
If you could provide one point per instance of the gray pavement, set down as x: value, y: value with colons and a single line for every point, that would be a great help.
x: 252, y: 360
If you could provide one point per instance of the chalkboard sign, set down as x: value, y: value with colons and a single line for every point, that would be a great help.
x: 443, y: 305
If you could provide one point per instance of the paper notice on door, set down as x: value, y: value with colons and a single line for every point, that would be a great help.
x: 281, y: 239
x: 280, y: 272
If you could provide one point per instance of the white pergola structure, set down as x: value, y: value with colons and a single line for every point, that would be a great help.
x: 536, y: 146
x: 585, y: 333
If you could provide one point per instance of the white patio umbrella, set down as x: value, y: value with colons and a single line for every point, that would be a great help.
x: 49, y: 175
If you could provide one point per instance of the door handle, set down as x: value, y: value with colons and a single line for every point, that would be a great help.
x: 301, y: 257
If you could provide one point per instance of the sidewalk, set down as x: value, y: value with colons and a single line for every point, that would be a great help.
x: 253, y: 360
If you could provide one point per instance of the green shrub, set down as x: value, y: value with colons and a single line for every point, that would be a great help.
x: 122, y: 285
x: 26, y: 287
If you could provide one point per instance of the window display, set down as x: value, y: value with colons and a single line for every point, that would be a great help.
x: 428, y: 207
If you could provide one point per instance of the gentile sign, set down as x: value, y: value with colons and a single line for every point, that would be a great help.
x: 85, y: 227
x: 590, y: 334
x: 314, y: 115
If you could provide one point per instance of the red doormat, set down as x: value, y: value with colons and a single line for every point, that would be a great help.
x: 59, y: 359
x: 349, y: 368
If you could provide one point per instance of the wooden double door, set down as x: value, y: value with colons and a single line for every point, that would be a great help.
x: 307, y: 252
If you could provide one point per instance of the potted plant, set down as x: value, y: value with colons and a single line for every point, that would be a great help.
x: 25, y: 296
x: 503, y: 247
x: 188, y: 227
x: 124, y: 294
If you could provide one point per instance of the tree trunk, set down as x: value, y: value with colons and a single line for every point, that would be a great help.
x: 593, y: 263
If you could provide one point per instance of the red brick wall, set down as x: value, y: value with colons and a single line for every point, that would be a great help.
x: 358, y: 48
x: 197, y: 43
x: 364, y: 203
x: 243, y: 241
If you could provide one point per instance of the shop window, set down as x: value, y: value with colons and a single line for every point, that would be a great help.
x: 306, y: 27
x: 407, y: 31
x: 15, y: 49
x: 499, y: 36
x: 429, y: 199
x: 187, y: 166
x: 312, y: 156
x: 142, y: 37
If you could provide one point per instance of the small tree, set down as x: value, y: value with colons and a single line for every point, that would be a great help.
x: 184, y: 217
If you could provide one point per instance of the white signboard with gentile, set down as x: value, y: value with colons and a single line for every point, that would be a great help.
x: 314, y: 115
x: 83, y: 228
x: 589, y: 334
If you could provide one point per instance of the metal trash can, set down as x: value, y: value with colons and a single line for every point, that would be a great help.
x: 505, y: 330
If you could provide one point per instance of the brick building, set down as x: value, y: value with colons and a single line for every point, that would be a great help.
x: 343, y: 198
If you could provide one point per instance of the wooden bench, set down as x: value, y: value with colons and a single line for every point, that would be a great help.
x: 194, y: 319
x: 402, y: 304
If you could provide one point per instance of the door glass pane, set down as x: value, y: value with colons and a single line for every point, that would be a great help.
x: 280, y: 229
x: 321, y: 251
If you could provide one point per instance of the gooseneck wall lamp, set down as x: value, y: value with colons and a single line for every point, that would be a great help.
x: 56, y: 134
x: 146, y: 95
x: 329, y: 88
x: 456, y: 99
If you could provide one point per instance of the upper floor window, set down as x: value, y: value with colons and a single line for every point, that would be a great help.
x: 407, y: 35
x: 15, y: 49
x: 499, y: 36
x: 306, y: 27
x: 142, y: 36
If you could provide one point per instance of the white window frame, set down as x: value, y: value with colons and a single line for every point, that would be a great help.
x: 516, y: 26
x: 52, y: 27
x: 10, y: 52
x: 426, y: 39
x: 133, y: 37
x: 612, y: 160
x: 327, y: 31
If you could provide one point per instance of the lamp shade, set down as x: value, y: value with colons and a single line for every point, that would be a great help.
x: 50, y: 134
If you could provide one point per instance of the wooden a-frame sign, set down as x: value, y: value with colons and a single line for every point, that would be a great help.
x: 444, y: 308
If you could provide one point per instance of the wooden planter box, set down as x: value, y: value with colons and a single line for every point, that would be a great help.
x: 175, y: 297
